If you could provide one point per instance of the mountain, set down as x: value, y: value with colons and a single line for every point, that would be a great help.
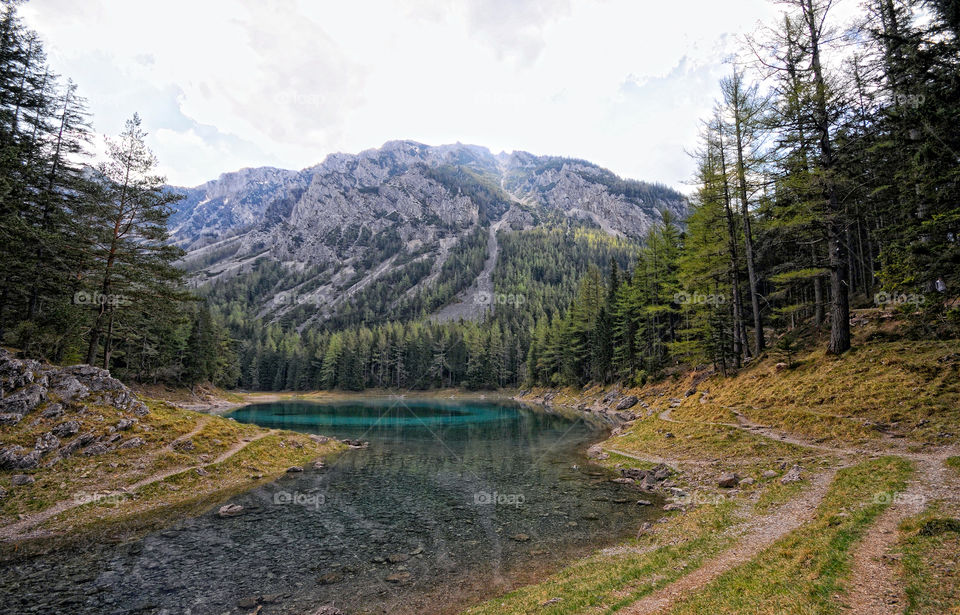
x: 407, y: 229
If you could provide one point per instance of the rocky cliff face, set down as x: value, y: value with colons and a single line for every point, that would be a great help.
x: 339, y: 226
x: 57, y: 397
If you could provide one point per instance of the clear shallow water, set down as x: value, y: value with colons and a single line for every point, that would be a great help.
x: 449, y: 504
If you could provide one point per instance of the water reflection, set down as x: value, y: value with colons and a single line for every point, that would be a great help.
x: 449, y: 503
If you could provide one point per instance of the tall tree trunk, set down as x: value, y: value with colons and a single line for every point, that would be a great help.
x: 739, y: 336
x: 835, y: 223
x: 738, y: 120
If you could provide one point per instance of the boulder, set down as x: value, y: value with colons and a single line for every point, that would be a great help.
x: 662, y: 472
x: 396, y: 558
x: 66, y: 386
x: 769, y: 474
x: 728, y: 480
x: 747, y: 481
x: 96, y: 449
x: 66, y: 429
x: 14, y: 373
x: 10, y: 418
x: 46, y: 443
x: 22, y: 479
x: 78, y: 443
x: 133, y: 443
x: 52, y: 411
x: 793, y: 475
x: 627, y: 402
x: 643, y: 502
x: 124, y: 424
x: 293, y: 469
x: 16, y: 457
x: 24, y: 400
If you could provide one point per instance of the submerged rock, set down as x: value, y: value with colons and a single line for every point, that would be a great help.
x: 329, y: 578
x: 230, y: 510
x: 399, y: 577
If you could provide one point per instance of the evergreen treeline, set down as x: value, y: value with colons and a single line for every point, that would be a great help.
x: 87, y: 274
x: 537, y: 272
x: 828, y: 177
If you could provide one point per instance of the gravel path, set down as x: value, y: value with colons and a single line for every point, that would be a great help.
x: 874, y: 584
x: 756, y: 534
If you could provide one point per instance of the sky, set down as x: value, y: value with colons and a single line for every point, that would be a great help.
x: 223, y: 85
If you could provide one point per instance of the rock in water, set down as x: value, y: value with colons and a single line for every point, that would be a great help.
x: 399, y: 577
x: 230, y: 510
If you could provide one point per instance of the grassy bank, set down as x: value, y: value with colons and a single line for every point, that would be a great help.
x: 187, y: 462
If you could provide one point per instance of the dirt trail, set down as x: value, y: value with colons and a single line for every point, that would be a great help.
x: 874, y: 585
x: 19, y: 530
x: 756, y: 534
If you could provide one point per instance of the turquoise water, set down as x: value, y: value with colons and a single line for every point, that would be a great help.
x: 450, y: 503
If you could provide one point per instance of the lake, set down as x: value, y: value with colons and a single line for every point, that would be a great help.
x: 448, y: 504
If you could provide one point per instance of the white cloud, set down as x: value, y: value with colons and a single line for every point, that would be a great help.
x: 222, y: 84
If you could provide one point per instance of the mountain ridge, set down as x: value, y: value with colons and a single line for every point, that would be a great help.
x: 398, y: 211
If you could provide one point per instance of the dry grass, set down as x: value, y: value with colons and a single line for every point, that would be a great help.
x: 100, y: 484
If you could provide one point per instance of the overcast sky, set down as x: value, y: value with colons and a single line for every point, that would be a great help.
x: 223, y: 85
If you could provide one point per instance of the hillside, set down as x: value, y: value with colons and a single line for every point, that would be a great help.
x: 401, y: 229
x: 828, y: 484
